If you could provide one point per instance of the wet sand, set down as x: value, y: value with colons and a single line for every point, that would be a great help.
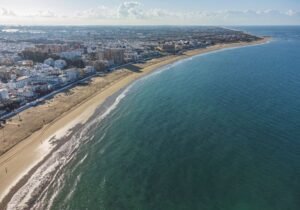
x: 24, y: 156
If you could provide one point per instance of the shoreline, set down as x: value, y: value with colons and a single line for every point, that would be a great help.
x: 24, y: 158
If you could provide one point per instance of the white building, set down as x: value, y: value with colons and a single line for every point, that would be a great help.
x: 49, y: 62
x: 26, y: 92
x: 22, y: 81
x: 46, y: 79
x: 72, y: 74
x: 92, y: 49
x: 4, y: 94
x: 71, y: 55
x: 60, y: 64
x: 131, y: 56
x: 89, y: 70
x: 63, y: 78
x: 13, y: 76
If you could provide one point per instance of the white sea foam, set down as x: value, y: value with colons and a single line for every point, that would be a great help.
x: 79, y: 163
x: 50, y: 171
x: 72, y: 190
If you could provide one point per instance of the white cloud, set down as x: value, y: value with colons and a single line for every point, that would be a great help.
x: 162, y: 13
x: 127, y: 10
x: 6, y: 12
x: 131, y: 9
x: 44, y: 14
x: 101, y: 12
x: 134, y: 12
x: 292, y: 13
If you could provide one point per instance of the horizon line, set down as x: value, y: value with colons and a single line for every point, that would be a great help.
x: 139, y: 25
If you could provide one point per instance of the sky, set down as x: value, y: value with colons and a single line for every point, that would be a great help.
x: 150, y: 12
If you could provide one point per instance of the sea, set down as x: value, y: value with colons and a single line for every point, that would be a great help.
x: 219, y: 131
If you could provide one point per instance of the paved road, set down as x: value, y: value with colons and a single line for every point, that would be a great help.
x: 66, y: 87
x: 39, y: 100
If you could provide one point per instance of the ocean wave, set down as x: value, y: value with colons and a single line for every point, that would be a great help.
x: 15, y: 30
x: 33, y: 194
x: 72, y: 190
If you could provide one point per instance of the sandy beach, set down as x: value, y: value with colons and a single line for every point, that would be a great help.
x: 40, y: 124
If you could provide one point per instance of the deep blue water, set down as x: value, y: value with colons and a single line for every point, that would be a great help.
x: 216, y: 132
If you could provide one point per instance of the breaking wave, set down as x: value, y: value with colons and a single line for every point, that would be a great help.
x: 34, y: 194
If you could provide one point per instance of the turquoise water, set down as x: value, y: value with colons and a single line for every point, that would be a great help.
x: 216, y: 132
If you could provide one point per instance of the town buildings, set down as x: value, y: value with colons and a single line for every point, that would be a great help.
x: 34, y: 64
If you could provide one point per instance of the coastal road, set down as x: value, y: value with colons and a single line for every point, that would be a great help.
x: 66, y: 87
x: 44, y: 98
